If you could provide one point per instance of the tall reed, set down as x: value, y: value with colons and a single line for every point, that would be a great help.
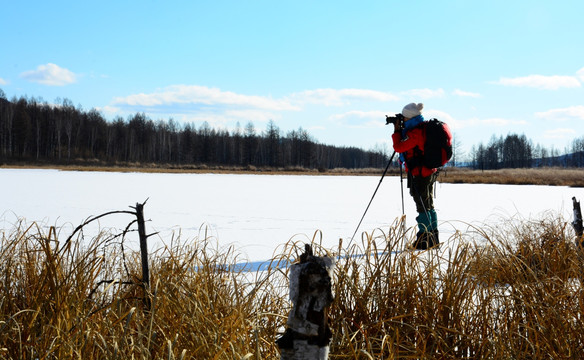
x: 505, y: 292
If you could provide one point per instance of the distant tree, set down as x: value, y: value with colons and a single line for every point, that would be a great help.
x: 68, y: 116
x: 306, y: 153
x: 457, y: 152
x: 577, y: 152
x: 250, y: 143
x: 493, y: 153
x: 516, y: 151
x: 21, y: 129
x: 96, y: 133
x: 33, y: 129
x: 205, y: 141
x: 117, y: 143
x: 6, y: 121
x: 237, y: 145
x: 35, y: 112
x: 272, y: 148
x: 163, y: 143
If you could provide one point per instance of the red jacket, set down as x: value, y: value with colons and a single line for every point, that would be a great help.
x: 414, y: 137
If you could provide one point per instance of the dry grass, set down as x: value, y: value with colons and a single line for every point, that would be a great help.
x: 61, y: 303
x: 540, y: 176
x: 193, y: 169
x: 516, y: 294
x: 536, y: 176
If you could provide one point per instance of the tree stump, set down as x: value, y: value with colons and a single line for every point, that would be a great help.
x: 308, y: 333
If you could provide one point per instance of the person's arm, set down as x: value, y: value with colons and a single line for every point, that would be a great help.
x: 412, y: 139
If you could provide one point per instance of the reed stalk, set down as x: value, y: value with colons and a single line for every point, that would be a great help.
x: 512, y: 291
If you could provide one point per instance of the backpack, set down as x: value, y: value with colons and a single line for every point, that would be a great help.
x: 438, y: 145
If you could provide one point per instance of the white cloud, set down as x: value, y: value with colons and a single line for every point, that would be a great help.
x: 109, y: 110
x: 316, y: 127
x: 360, y: 114
x: 543, y: 82
x: 489, y: 122
x: 340, y: 97
x: 559, y: 133
x: 360, y: 118
x: 215, y: 121
x: 377, y: 118
x: 425, y: 93
x: 502, y: 122
x: 50, y: 74
x: 202, y: 95
x: 256, y: 115
x: 462, y: 93
x: 3, y: 82
x: 200, y: 99
x: 453, y: 123
x: 569, y: 113
x: 580, y: 74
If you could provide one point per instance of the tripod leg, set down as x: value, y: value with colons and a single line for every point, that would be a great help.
x: 375, y: 192
x: 401, y: 180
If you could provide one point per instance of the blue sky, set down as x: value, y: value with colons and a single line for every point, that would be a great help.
x: 335, y: 68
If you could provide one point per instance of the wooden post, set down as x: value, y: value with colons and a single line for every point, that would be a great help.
x: 144, y: 253
x: 577, y: 224
x: 139, y: 213
x: 308, y: 334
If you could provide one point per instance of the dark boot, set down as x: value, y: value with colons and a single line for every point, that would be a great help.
x: 424, y: 220
x: 426, y: 240
x: 433, y: 240
x: 421, y: 242
x: 434, y: 229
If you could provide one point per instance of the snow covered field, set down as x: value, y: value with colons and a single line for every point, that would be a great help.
x: 257, y: 213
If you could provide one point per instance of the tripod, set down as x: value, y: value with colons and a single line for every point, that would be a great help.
x: 375, y: 192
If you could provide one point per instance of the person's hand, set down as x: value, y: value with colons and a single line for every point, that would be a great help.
x: 397, y: 126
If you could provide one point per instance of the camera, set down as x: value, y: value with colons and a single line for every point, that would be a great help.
x: 397, y: 119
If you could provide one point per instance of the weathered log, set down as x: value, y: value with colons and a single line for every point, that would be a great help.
x: 577, y: 224
x: 308, y: 333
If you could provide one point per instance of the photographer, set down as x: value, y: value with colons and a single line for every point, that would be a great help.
x: 408, y: 140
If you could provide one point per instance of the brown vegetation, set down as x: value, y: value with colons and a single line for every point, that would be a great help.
x: 510, y: 292
x: 536, y: 176
x: 193, y: 169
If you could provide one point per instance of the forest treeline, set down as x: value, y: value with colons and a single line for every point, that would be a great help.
x: 33, y: 130
x: 516, y: 151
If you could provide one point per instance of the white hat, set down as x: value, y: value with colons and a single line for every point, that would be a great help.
x: 412, y: 110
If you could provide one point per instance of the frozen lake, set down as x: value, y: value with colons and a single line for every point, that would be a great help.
x: 258, y: 213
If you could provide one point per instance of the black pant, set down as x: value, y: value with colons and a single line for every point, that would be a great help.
x: 421, y: 189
